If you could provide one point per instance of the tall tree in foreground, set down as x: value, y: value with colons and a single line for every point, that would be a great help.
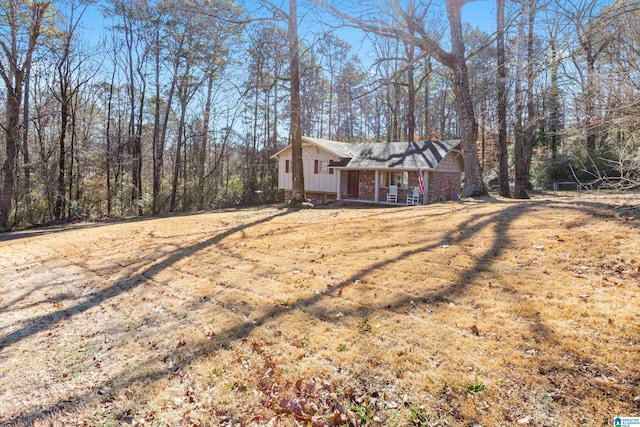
x: 297, y: 187
x: 503, y: 159
x: 519, y: 191
x: 456, y: 61
x: 21, y: 23
x: 533, y: 121
x: 410, y: 52
x: 400, y: 23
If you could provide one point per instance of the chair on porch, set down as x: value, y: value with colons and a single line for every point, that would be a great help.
x: 414, y: 198
x: 392, y: 195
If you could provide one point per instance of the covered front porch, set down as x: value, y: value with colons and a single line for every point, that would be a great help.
x: 372, y: 186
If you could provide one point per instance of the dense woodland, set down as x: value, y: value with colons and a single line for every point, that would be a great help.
x: 179, y: 105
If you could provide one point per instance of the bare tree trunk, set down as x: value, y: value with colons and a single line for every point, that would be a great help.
x: 532, y: 120
x: 59, y: 209
x: 443, y: 108
x: 249, y: 185
x: 163, y: 136
x: 25, y: 142
x: 25, y: 132
x: 297, y: 195
x: 137, y: 148
x: 411, y: 102
x: 117, y: 181
x: 134, y: 139
x: 183, y: 96
x: 590, y: 104
x: 13, y: 74
x: 520, y: 191
x: 330, y: 135
x: 273, y: 174
x: 72, y: 151
x: 157, y: 143
x: 554, y: 108
x: 390, y: 108
x: 108, y: 154
x: 503, y: 175
x: 473, y: 183
x: 11, y: 152
x: 396, y: 112
x: 185, y: 93
x: 427, y: 98
x: 410, y: 49
x: 202, y: 152
x: 177, y: 165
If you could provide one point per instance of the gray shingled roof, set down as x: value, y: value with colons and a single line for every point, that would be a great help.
x: 400, y: 155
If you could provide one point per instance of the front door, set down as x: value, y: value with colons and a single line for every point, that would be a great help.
x: 352, y: 183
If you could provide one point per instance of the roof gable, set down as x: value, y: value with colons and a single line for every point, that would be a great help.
x: 339, y: 149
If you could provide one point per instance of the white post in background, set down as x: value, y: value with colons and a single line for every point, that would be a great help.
x: 338, y: 179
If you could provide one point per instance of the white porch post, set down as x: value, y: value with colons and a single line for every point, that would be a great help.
x: 338, y: 178
x: 377, y: 186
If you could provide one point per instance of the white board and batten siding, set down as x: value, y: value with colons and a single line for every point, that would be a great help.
x: 322, y: 181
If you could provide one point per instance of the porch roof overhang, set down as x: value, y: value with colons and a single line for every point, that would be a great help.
x: 339, y: 164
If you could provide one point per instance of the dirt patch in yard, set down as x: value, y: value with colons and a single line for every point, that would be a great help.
x: 490, y: 312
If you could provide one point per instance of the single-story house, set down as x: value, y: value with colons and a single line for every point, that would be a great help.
x: 363, y: 172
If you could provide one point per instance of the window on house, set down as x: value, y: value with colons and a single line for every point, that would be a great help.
x: 286, y: 166
x: 330, y: 169
x: 324, y: 167
x: 399, y: 178
x: 321, y: 167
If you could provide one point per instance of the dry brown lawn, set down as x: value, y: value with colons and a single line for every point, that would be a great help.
x: 484, y: 312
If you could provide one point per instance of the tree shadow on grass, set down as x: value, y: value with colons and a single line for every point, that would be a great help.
x: 8, y: 306
x: 502, y: 222
x: 43, y: 322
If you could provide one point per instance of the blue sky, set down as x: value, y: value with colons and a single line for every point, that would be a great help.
x: 480, y: 14
x: 477, y: 13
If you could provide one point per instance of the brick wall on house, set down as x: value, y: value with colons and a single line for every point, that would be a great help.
x: 413, y: 179
x: 317, y: 198
x: 444, y: 186
x: 367, y: 185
